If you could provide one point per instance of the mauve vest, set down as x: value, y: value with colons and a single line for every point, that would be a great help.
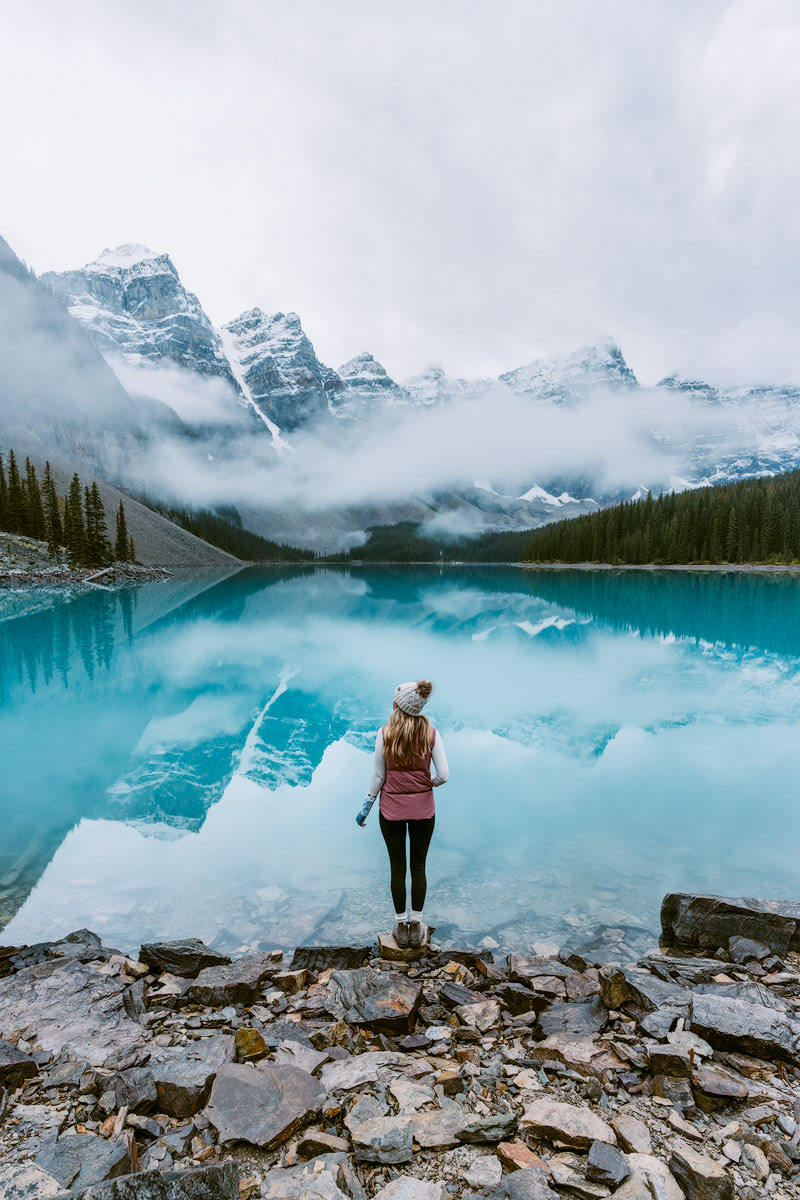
x: 407, y: 794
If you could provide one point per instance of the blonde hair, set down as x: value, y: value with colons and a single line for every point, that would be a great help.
x: 407, y: 735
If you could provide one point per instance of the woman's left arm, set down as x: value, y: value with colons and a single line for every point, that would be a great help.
x: 378, y: 767
x: 440, y: 762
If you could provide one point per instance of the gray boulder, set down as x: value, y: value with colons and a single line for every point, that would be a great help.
x: 239, y: 982
x: 384, y: 1001
x: 337, y: 958
x: 70, y: 1004
x: 217, y: 1182
x: 262, y: 1104
x: 528, y: 1184
x: 710, y: 921
x: 134, y: 1089
x: 637, y: 988
x: 184, y: 1074
x: 731, y: 1024
x: 15, y: 1067
x: 573, y: 1020
x: 606, y: 1165
x: 77, y: 1160
x: 384, y: 1140
x: 700, y: 1177
x: 82, y: 945
x: 26, y: 1181
x: 185, y: 957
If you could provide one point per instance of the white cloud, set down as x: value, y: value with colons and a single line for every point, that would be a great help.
x: 432, y: 182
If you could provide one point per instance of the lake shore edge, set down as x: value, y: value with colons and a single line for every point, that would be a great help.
x: 371, y: 1071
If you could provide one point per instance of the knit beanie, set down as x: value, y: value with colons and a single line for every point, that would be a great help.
x: 412, y: 697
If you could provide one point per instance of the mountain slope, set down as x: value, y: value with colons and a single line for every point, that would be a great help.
x: 279, y: 369
x: 59, y: 400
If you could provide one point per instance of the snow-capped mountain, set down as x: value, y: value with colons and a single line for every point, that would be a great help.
x: 134, y: 305
x: 570, y: 379
x: 435, y: 386
x: 132, y: 302
x: 275, y: 362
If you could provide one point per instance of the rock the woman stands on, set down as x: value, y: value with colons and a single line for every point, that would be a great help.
x: 404, y: 750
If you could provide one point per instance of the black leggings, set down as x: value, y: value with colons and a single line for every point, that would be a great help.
x: 419, y: 837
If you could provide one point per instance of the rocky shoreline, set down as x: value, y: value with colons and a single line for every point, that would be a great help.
x: 80, y: 578
x: 352, y: 1072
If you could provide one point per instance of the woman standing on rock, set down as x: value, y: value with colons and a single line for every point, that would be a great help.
x: 401, y: 773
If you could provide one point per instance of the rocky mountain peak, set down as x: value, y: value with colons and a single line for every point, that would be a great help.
x: 276, y: 362
x: 572, y: 377
x: 133, y: 303
x: 364, y: 369
x: 126, y: 257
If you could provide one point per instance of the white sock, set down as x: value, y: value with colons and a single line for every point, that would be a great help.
x: 416, y: 916
x: 401, y: 916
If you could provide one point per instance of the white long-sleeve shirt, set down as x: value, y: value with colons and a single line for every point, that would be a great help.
x: 379, y: 765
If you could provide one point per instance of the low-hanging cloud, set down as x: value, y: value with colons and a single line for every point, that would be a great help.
x: 203, y: 400
x: 614, y: 441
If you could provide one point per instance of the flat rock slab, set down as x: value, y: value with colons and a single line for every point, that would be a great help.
x: 336, y: 958
x: 26, y: 1181
x: 634, y: 986
x: 185, y: 957
x: 70, y: 1003
x: 662, y: 1182
x: 15, y: 1067
x: 217, y: 1182
x: 528, y: 1184
x: 578, y: 1020
x: 285, y: 1184
x: 700, y: 1177
x: 632, y: 1134
x: 710, y: 921
x: 409, y: 1188
x: 586, y: 1055
x: 384, y: 1140
x: 383, y: 1001
x: 80, y: 1159
x: 351, y: 1073
x: 183, y: 1074
x: 262, y: 1104
x: 238, y: 983
x: 389, y: 949
x: 731, y: 1024
x: 566, y: 1123
x: 82, y: 946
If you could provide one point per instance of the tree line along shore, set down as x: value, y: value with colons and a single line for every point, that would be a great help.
x: 74, y: 525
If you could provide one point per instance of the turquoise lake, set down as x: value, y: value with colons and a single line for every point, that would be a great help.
x: 187, y: 757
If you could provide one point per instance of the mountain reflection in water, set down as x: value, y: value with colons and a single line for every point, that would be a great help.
x: 187, y: 757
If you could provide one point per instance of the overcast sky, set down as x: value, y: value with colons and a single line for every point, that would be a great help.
x: 473, y: 184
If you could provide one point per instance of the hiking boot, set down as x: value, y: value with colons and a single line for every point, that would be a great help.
x: 416, y: 933
x: 401, y: 934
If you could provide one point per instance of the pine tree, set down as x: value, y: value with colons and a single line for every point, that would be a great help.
x: 131, y: 551
x: 3, y: 495
x: 52, y: 513
x: 98, y: 547
x: 122, y: 541
x: 34, y: 516
x: 16, y: 507
x: 74, y: 525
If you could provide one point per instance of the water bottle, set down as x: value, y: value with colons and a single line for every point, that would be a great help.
x: 363, y: 812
